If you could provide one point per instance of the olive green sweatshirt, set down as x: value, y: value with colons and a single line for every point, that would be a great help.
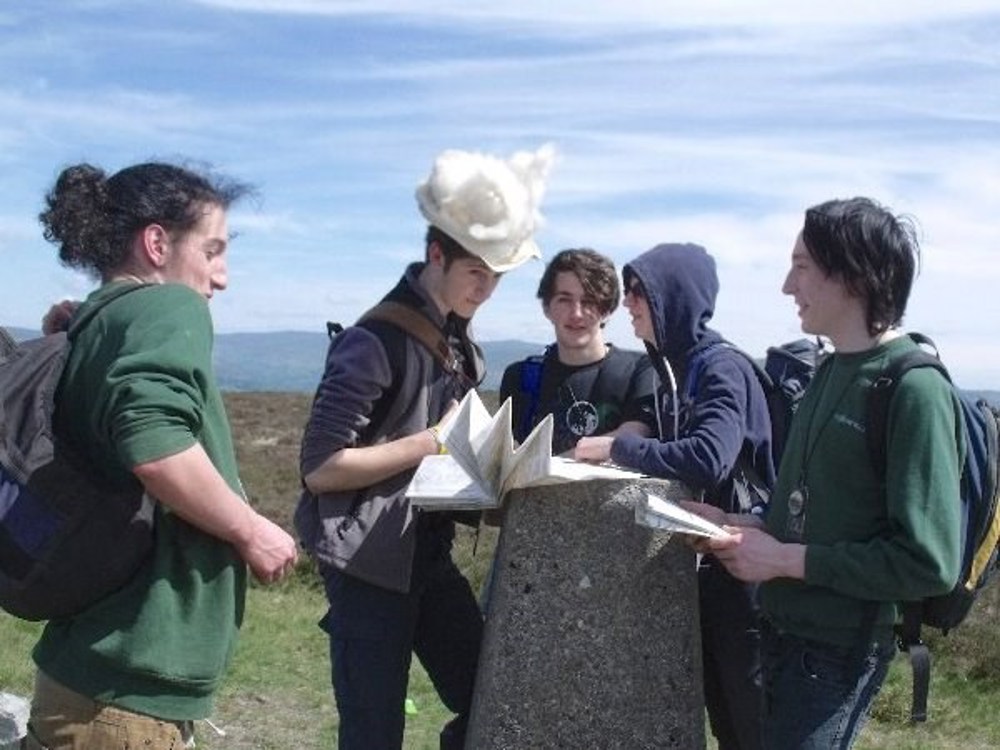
x: 139, y: 386
x: 867, y: 541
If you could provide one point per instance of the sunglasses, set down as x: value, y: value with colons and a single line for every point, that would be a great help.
x: 635, y: 289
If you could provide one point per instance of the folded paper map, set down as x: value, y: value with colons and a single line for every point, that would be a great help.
x: 657, y: 513
x: 483, y: 464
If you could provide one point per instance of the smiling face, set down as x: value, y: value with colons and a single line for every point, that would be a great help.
x: 638, y: 308
x: 826, y: 307
x: 197, y: 258
x: 575, y: 317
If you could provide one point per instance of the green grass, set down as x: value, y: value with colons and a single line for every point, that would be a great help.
x: 277, y: 693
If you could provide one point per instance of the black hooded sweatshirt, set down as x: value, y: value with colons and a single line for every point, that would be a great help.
x: 720, y: 416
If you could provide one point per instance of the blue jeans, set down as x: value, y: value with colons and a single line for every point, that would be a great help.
x: 373, y: 633
x: 817, y: 695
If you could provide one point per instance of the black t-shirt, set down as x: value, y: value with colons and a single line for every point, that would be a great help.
x: 583, y: 400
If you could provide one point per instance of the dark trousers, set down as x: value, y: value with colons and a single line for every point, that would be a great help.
x: 730, y: 653
x: 373, y: 633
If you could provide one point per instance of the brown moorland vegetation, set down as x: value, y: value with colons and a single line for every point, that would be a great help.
x: 966, y: 675
x: 277, y: 693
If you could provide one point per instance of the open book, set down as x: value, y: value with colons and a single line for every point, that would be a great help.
x: 482, y: 463
x: 657, y: 513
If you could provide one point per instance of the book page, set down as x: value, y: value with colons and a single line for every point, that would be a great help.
x: 531, y: 461
x: 482, y: 463
x: 440, y: 483
x: 657, y: 513
x: 494, y: 447
x: 457, y: 434
x: 484, y: 445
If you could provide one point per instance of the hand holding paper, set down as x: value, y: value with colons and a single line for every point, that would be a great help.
x: 657, y: 513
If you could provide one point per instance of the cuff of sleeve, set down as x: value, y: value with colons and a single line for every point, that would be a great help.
x: 135, y: 451
x: 623, y: 448
x: 817, y: 565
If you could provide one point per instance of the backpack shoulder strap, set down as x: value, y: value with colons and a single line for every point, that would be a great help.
x: 30, y: 377
x: 419, y: 326
x: 616, y: 368
x: 881, y: 393
x: 876, y: 430
x: 530, y: 384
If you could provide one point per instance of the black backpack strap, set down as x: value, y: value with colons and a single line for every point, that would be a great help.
x: 908, y: 636
x: 613, y: 369
x: 880, y: 396
x: 876, y: 430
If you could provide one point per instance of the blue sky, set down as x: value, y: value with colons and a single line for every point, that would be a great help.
x: 716, y: 121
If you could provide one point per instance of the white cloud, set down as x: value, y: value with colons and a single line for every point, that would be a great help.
x: 551, y: 15
x: 715, y: 122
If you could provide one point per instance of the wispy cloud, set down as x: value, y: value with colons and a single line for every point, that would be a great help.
x: 716, y: 122
x: 663, y: 14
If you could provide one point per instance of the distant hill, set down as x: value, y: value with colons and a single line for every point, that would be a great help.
x: 21, y: 333
x: 281, y: 361
x: 293, y: 361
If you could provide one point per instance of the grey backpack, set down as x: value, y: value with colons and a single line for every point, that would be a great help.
x: 67, y: 539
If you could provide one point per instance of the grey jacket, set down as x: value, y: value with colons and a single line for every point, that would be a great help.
x: 379, y: 385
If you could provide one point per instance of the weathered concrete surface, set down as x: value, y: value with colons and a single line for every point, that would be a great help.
x: 592, y: 636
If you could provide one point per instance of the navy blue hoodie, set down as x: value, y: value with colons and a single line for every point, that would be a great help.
x: 721, y: 416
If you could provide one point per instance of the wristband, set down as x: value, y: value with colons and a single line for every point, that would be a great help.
x: 435, y: 432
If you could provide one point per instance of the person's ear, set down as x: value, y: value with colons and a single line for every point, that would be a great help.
x: 435, y: 255
x: 155, y: 243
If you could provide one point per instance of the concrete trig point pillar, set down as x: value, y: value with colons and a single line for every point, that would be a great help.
x: 592, y: 636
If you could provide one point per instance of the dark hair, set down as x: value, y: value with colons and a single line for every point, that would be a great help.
x: 873, y: 252
x: 450, y: 247
x: 94, y: 218
x: 595, y: 272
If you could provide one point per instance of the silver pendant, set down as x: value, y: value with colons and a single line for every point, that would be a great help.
x: 795, y: 526
x: 582, y: 418
x: 797, y: 501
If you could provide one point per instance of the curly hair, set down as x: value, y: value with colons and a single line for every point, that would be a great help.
x: 872, y: 251
x: 93, y: 218
x: 595, y: 272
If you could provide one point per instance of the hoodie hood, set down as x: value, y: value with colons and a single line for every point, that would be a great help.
x: 681, y: 285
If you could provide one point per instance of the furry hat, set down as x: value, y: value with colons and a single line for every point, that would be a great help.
x: 488, y: 205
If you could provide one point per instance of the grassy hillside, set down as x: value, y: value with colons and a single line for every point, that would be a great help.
x: 277, y: 694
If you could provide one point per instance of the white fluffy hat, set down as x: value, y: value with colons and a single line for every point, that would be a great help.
x: 488, y: 205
